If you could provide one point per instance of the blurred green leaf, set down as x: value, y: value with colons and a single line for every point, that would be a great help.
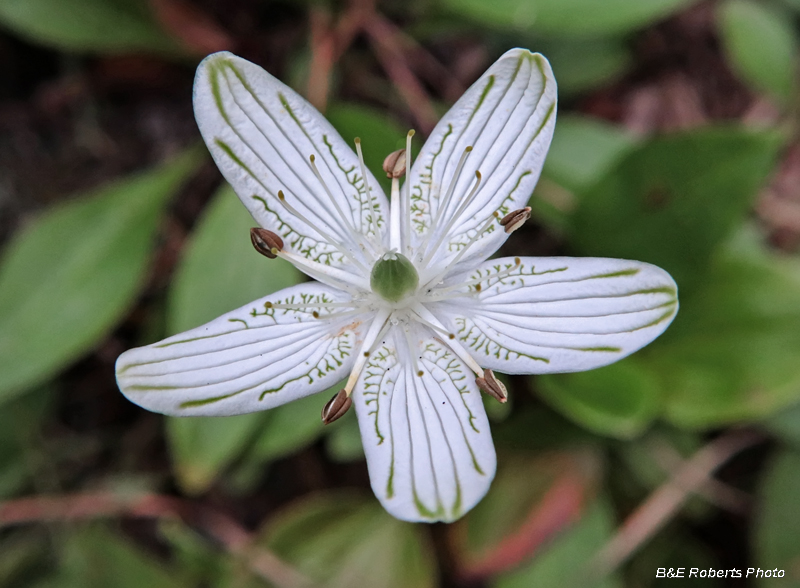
x: 97, y: 558
x: 567, y: 17
x: 344, y: 440
x: 70, y: 274
x: 731, y: 354
x: 342, y: 541
x: 793, y: 4
x: 582, y: 64
x: 672, y: 200
x: 21, y: 422
x: 564, y: 561
x: 219, y: 272
x: 786, y: 425
x: 533, y: 499
x: 202, y: 562
x: 103, y: 26
x: 583, y: 150
x: 292, y: 426
x: 674, y: 547
x: 201, y: 447
x: 380, y: 135
x: 761, y: 42
x: 776, y: 539
x: 619, y: 400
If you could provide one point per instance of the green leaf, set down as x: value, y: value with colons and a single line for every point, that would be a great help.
x: 292, y: 426
x: 97, y: 558
x: 21, y: 423
x: 619, y: 400
x: 219, y: 272
x: 786, y: 426
x: 567, y: 17
x: 761, y: 43
x: 103, y: 26
x: 583, y: 64
x: 582, y: 151
x: 731, y: 354
x: 674, y: 199
x: 201, y: 447
x: 777, y: 529
x: 564, y: 561
x: 533, y: 498
x: 343, y: 541
x: 70, y: 274
x: 344, y: 440
x: 380, y: 135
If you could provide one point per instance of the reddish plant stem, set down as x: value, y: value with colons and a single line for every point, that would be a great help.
x: 665, y: 502
x: 390, y: 53
x: 230, y: 534
x: 421, y: 61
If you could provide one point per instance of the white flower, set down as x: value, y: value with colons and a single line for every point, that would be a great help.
x: 406, y: 307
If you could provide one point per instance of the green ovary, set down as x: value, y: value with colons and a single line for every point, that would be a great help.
x: 394, y: 277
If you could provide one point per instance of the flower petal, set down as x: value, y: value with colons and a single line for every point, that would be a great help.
x: 427, y: 440
x: 507, y: 117
x: 261, y: 134
x: 560, y: 314
x: 250, y: 359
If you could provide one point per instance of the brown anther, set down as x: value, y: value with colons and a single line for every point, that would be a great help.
x: 492, y: 386
x: 315, y: 314
x: 514, y: 220
x: 336, y: 407
x: 266, y: 242
x: 420, y: 373
x: 395, y: 164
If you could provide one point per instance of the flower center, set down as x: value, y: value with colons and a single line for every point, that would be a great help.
x: 393, y: 277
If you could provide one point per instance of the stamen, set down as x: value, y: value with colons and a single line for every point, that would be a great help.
x: 265, y: 242
x: 395, y: 164
x: 463, y: 250
x: 433, y: 327
x: 492, y: 386
x: 514, y: 220
x: 336, y: 407
x: 443, y: 204
x: 316, y: 270
x: 412, y: 352
x: 453, y: 344
x: 395, y: 167
x: 449, y: 225
x: 325, y: 235
x: 344, y: 217
x: 407, y: 200
x: 377, y: 329
x: 338, y: 315
x: 367, y: 189
x: 476, y: 282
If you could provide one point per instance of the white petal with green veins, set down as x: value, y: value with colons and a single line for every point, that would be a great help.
x: 507, y: 117
x: 261, y: 134
x: 427, y: 440
x: 250, y: 359
x: 561, y: 314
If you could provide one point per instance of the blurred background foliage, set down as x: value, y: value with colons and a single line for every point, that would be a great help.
x: 677, y: 144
